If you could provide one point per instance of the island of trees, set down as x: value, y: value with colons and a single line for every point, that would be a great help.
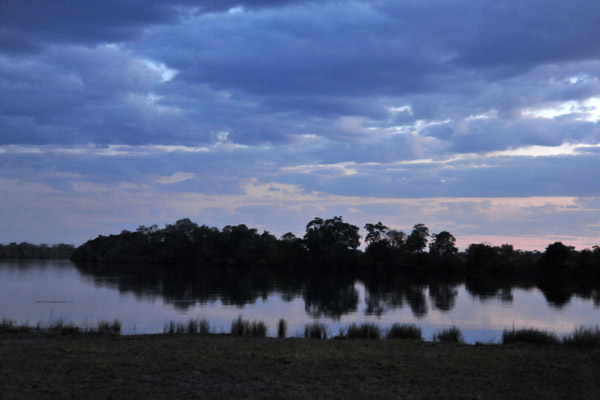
x: 331, y: 244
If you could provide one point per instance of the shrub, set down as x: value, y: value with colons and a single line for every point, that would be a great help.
x: 449, y: 335
x: 316, y: 330
x: 364, y: 331
x: 281, y: 328
x: 530, y: 336
x: 399, y: 331
x: 583, y: 337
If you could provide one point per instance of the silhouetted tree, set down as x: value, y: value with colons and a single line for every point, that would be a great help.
x: 556, y: 258
x: 443, y: 244
x: 331, y: 241
x: 417, y: 240
x: 376, y: 233
x: 379, y: 251
x: 26, y: 250
x: 397, y: 239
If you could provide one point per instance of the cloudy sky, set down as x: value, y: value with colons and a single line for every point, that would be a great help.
x: 478, y: 117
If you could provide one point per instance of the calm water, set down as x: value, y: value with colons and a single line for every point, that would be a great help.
x: 143, y: 299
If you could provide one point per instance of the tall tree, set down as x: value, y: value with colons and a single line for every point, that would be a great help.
x: 376, y: 233
x: 417, y: 240
x: 443, y: 244
x: 331, y: 241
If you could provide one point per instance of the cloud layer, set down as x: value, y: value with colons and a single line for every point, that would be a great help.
x: 237, y: 111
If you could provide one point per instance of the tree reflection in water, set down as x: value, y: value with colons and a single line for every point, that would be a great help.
x: 329, y: 294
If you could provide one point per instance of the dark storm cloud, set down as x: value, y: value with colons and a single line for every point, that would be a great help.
x: 272, y: 70
x: 25, y: 25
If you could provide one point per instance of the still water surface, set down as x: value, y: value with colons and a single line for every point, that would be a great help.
x: 145, y: 299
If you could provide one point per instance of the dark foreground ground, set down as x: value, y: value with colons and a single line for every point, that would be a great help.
x: 34, y: 366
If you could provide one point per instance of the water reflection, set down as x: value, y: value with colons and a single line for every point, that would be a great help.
x: 476, y: 302
x: 328, y: 294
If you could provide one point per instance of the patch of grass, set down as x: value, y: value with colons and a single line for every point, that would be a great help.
x: 193, y: 326
x: 113, y: 328
x: 583, y: 337
x: 449, y: 335
x: 10, y: 326
x: 401, y: 331
x: 316, y: 330
x: 363, y: 331
x: 203, y: 327
x: 198, y: 326
x: 281, y: 328
x: 60, y: 327
x: 173, y: 327
x: 530, y: 336
x: 37, y: 366
x: 240, y: 327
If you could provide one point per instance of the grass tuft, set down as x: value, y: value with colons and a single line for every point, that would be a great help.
x: 111, y: 328
x: 281, y: 328
x: 583, y: 337
x: 60, y: 327
x: 449, y: 335
x: 400, y: 331
x: 193, y: 326
x: 364, y: 331
x: 240, y: 327
x: 316, y: 330
x: 9, y: 326
x: 169, y: 327
x: 530, y: 336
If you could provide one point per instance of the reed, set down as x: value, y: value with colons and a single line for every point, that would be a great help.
x: 583, y: 337
x: 363, y: 331
x: 241, y: 327
x: 529, y: 336
x: 404, y: 331
x: 193, y: 326
x: 449, y: 335
x: 112, y: 328
x: 315, y: 330
x: 281, y: 328
x: 10, y: 326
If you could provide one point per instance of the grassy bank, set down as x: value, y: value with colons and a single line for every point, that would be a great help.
x: 36, y: 365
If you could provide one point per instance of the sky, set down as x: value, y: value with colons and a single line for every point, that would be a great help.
x: 481, y: 117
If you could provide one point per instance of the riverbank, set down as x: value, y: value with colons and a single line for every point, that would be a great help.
x: 223, y: 366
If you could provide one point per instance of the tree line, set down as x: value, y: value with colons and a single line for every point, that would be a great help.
x: 24, y: 250
x: 330, y: 244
